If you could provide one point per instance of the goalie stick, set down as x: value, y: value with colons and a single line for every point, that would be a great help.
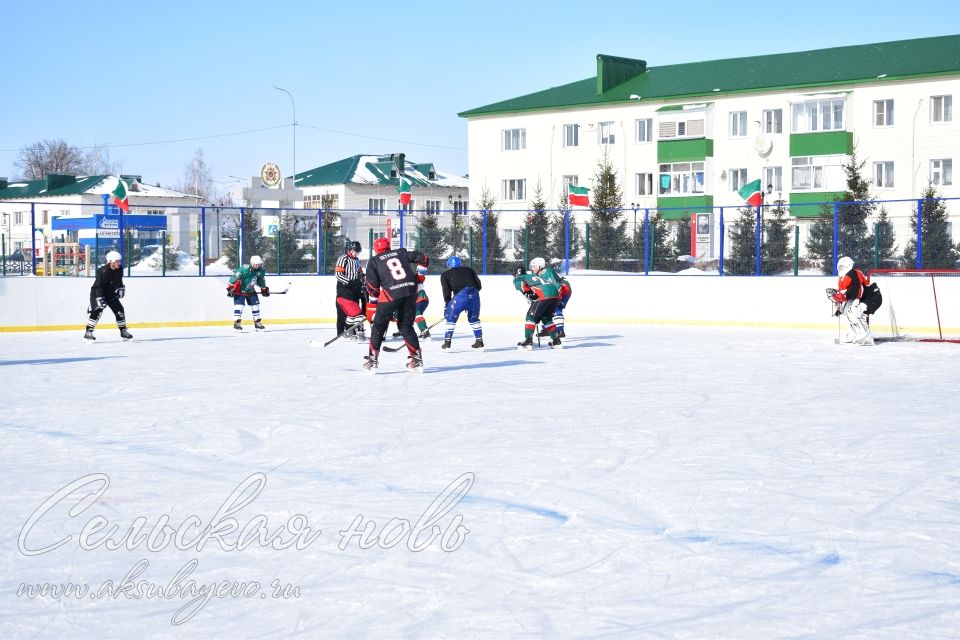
x: 389, y: 349
x: 836, y: 311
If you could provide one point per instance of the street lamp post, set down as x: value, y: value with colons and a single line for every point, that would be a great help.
x: 294, y: 104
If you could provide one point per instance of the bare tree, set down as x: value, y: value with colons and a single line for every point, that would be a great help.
x: 37, y: 160
x: 198, y: 179
x: 97, y: 162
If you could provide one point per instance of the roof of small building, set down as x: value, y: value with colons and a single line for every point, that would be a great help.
x: 378, y: 170
x: 620, y: 80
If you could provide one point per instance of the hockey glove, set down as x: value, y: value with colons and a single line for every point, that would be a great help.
x: 265, y: 291
x: 121, y: 291
x: 101, y: 303
x: 531, y: 295
x: 229, y: 293
x: 840, y: 297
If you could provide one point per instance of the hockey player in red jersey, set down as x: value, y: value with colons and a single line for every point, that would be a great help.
x: 392, y: 288
x: 856, y: 299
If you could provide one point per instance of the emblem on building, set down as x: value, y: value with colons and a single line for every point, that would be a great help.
x: 270, y: 175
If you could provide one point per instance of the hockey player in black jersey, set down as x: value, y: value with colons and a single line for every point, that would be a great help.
x: 392, y: 288
x: 461, y: 292
x: 106, y: 292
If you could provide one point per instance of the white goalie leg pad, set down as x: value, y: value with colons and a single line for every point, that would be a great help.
x: 853, y: 312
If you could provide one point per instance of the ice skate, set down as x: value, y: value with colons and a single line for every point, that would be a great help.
x: 415, y: 362
x: 446, y: 346
x: 561, y: 333
x: 126, y: 335
x: 370, y: 364
x: 238, y: 326
x: 88, y: 335
x: 525, y: 344
x: 425, y: 334
x: 478, y: 345
x: 555, y: 343
x: 259, y: 326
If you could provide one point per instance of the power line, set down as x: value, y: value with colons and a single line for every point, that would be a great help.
x: 249, y: 131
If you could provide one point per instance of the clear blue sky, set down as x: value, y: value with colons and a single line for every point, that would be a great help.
x: 369, y: 79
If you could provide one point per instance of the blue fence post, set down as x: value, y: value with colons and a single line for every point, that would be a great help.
x: 484, y: 218
x: 320, y: 239
x: 566, y: 238
x: 722, y: 235
x: 646, y: 242
x: 756, y: 250
x: 33, y: 238
x: 836, y: 235
x: 919, y: 234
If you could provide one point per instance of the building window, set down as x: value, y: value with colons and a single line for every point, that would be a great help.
x: 773, y: 176
x: 571, y: 135
x: 645, y: 130
x: 738, y: 124
x: 566, y: 181
x: 818, y: 115
x: 512, y: 239
x: 773, y: 120
x: 941, y: 109
x: 459, y: 206
x: 411, y: 206
x: 514, y: 189
x: 807, y: 174
x: 883, y: 113
x: 883, y: 175
x: 737, y: 178
x: 941, y: 172
x: 680, y: 178
x: 431, y: 206
x: 681, y: 129
x: 375, y: 206
x: 645, y: 184
x: 606, y: 133
x: 18, y: 217
x: 514, y: 139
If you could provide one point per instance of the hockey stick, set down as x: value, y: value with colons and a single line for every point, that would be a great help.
x: 278, y: 293
x: 390, y: 349
x: 835, y: 306
x: 347, y: 332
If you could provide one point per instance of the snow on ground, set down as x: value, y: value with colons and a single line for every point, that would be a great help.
x: 642, y: 482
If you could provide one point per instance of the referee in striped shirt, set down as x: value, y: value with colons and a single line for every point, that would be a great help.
x: 350, y: 295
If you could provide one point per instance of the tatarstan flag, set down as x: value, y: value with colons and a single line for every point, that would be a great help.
x: 120, y: 196
x: 751, y: 193
x: 404, y: 191
x: 578, y: 195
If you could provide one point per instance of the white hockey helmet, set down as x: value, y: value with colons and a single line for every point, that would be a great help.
x: 844, y: 265
x: 114, y: 256
x: 537, y: 265
x: 256, y: 261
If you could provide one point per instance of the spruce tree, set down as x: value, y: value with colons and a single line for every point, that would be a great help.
x: 536, y: 232
x: 285, y: 252
x: 608, y: 228
x: 496, y: 262
x: 431, y: 240
x: 742, y: 259
x: 455, y: 235
x: 681, y: 244
x: 254, y: 243
x: 661, y: 254
x: 776, y: 252
x: 938, y: 250
x: 854, y: 209
x: 885, y: 241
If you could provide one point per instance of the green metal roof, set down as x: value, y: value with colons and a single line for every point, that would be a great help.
x: 338, y: 172
x: 52, y: 186
x: 879, y: 62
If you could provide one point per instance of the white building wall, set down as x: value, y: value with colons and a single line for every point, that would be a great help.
x: 910, y: 143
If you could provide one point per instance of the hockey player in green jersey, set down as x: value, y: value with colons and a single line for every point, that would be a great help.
x: 542, y: 287
x: 242, y: 290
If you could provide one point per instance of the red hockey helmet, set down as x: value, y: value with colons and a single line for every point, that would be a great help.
x: 381, y: 245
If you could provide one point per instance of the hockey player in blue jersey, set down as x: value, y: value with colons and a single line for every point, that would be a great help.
x: 461, y: 292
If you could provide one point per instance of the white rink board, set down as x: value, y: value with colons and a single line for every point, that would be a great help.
x: 28, y: 303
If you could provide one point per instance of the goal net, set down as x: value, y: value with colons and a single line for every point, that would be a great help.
x: 918, y: 304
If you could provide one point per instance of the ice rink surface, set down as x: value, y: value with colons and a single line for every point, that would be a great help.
x: 642, y: 482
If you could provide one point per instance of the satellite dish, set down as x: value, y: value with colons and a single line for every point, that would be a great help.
x: 762, y: 145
